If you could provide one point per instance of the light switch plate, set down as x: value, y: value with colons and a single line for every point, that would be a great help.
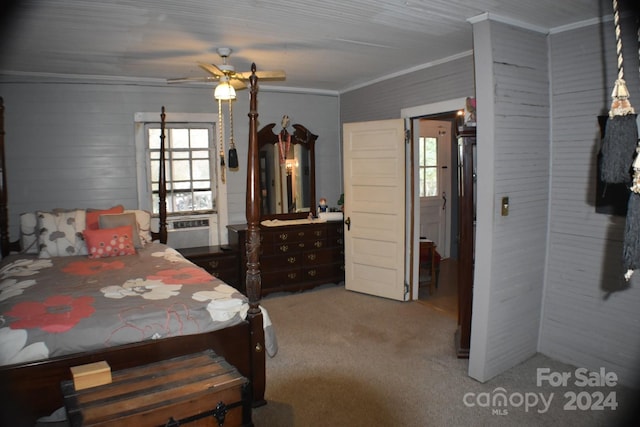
x: 505, y: 206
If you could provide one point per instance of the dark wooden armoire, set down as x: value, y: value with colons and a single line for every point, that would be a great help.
x: 466, y: 229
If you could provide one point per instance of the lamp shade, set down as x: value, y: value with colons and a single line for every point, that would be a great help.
x: 224, y: 91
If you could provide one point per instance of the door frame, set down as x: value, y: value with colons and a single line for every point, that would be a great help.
x: 413, y: 203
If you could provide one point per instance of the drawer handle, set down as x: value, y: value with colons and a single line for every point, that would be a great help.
x: 301, y: 245
x: 318, y: 233
x: 340, y: 241
x: 284, y: 248
x: 214, y: 264
x: 284, y: 236
x: 312, y: 273
x: 311, y: 257
x: 318, y: 244
x: 300, y: 233
x: 292, y: 260
x: 292, y: 275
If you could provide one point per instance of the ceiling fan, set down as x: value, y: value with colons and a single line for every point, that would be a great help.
x: 226, y: 72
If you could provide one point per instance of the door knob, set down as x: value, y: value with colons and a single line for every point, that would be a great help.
x: 348, y: 223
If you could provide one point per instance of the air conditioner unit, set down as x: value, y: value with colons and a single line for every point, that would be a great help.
x: 192, y: 230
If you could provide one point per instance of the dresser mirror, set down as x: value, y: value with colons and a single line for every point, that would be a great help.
x: 287, y: 172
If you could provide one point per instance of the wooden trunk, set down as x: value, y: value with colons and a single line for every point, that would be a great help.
x: 200, y: 389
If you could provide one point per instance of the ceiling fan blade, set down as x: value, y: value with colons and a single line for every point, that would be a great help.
x: 265, y: 75
x: 210, y: 68
x: 192, y: 79
x: 237, y: 84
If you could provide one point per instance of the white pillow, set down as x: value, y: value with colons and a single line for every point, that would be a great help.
x: 60, y: 233
x: 143, y: 218
x: 28, y: 233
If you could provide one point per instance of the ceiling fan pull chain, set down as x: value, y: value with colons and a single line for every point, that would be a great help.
x: 232, y: 143
x: 223, y: 177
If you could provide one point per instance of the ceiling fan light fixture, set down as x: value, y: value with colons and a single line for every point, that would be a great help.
x: 224, y: 91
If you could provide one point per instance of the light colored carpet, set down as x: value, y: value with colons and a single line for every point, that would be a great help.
x: 348, y: 359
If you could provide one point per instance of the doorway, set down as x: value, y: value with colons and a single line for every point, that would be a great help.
x: 437, y: 179
x: 446, y: 112
x: 438, y: 218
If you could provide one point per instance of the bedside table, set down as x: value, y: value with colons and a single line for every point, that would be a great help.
x: 223, y: 264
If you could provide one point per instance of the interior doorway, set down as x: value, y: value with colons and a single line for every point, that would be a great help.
x: 438, y: 217
x: 445, y: 111
x: 437, y: 179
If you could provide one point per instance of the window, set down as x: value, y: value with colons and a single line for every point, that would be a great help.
x: 428, y: 166
x: 189, y: 155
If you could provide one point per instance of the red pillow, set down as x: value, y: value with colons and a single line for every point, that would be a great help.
x: 93, y: 217
x: 108, y: 242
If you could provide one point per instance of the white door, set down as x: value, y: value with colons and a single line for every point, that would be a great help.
x: 374, y: 208
x: 435, y: 207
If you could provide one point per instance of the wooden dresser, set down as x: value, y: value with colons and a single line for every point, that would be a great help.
x: 295, y: 257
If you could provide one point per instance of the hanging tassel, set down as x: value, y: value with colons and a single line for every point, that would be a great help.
x: 631, y: 248
x: 618, y: 146
x: 621, y: 133
x: 233, y: 158
x: 233, y: 154
x: 631, y: 244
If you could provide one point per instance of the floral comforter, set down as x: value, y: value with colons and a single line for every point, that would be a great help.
x: 64, y: 305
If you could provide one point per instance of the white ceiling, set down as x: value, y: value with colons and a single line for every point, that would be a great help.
x: 323, y: 45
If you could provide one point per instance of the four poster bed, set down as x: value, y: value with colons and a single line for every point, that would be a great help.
x: 85, y: 284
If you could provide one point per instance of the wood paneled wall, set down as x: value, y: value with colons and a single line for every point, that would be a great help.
x: 384, y: 100
x: 513, y: 161
x: 585, y: 321
x: 70, y: 142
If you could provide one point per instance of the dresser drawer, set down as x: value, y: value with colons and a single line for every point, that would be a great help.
x: 279, y: 261
x: 281, y: 279
x: 292, y: 247
x: 216, y: 263
x: 298, y: 234
x: 318, y: 257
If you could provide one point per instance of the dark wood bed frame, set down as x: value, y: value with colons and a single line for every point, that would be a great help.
x: 31, y: 390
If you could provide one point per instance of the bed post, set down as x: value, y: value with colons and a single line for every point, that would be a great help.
x: 162, y: 191
x: 4, y: 213
x: 253, y: 279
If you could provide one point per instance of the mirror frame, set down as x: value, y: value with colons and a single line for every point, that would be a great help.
x: 301, y: 135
